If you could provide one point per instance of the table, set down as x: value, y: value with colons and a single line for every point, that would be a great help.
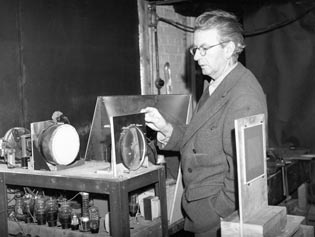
x: 287, y: 171
x: 85, y: 178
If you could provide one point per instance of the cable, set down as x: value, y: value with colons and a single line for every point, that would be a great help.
x: 73, y: 197
x: 258, y: 31
x: 11, y: 200
x: 177, y: 24
x: 278, y: 25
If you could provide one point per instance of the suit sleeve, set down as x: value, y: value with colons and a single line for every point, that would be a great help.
x: 175, y: 140
x: 243, y: 106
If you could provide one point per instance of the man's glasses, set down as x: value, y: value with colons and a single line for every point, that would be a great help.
x: 203, y: 50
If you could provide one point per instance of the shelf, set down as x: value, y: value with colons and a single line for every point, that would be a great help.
x: 86, y: 179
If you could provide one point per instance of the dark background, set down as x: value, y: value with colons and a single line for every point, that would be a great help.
x: 60, y: 55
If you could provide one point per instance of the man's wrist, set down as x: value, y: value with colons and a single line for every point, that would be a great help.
x: 163, y: 136
x: 167, y: 130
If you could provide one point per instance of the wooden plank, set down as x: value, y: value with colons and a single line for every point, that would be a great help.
x: 252, y: 181
x: 176, y: 227
x: 3, y: 204
x: 138, y: 228
x: 269, y: 221
x: 292, y: 226
x: 175, y: 211
x: 308, y: 230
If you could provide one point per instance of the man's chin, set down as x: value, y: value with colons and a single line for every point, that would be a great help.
x: 204, y: 71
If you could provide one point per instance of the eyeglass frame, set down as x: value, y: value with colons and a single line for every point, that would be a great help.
x: 203, y: 50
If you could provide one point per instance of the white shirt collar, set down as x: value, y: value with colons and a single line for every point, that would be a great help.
x: 215, y: 83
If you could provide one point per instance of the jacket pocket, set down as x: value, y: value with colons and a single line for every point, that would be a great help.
x: 223, y: 205
x: 200, y: 192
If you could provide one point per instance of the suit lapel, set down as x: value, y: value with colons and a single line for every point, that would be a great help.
x: 214, y: 103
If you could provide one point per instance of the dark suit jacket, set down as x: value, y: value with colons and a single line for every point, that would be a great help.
x: 207, y: 144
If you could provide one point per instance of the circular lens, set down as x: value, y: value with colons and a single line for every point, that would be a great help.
x: 132, y: 147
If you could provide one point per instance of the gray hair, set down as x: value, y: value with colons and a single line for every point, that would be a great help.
x: 227, y: 25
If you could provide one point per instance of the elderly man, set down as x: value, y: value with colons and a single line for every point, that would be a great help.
x: 207, y: 143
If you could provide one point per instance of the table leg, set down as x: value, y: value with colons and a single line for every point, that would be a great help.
x: 160, y: 189
x: 3, y: 207
x: 119, y: 214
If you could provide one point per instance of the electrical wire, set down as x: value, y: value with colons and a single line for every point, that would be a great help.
x: 73, y: 197
x: 33, y: 217
x: 11, y: 200
x: 164, y: 2
x: 278, y: 25
x: 256, y: 32
x: 176, y: 24
x: 29, y: 191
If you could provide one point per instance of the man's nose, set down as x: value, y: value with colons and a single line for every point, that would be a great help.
x: 197, y: 55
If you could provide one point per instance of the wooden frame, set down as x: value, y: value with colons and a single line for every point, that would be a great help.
x: 252, y: 187
x: 255, y: 217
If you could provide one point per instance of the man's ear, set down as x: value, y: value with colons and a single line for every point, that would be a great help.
x: 229, y: 49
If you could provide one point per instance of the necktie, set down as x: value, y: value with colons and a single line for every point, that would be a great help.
x: 203, y: 98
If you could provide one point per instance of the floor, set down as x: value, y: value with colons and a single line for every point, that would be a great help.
x: 182, y: 233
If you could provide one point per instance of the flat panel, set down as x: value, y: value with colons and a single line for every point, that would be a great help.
x: 251, y: 165
x: 254, y: 152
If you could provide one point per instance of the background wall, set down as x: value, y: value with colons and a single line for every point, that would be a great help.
x: 173, y: 49
x: 61, y: 55
x: 283, y: 59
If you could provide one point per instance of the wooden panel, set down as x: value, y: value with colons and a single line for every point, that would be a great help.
x: 3, y: 204
x: 293, y: 226
x: 253, y: 194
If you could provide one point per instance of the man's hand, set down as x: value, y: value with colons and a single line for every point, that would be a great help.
x: 155, y: 121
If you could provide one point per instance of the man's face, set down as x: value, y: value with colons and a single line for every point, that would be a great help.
x: 214, y: 61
